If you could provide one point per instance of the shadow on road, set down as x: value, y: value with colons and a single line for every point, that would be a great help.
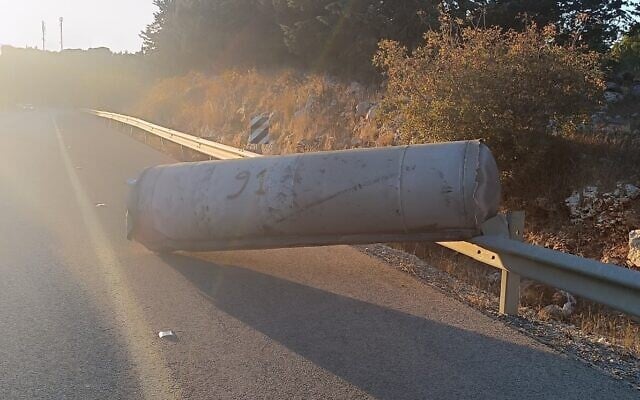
x: 387, y: 353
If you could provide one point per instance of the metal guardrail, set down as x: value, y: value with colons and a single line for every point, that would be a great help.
x: 606, y: 284
x: 500, y: 246
x: 212, y: 149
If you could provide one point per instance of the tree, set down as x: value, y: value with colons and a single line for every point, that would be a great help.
x: 341, y: 36
x: 626, y: 52
x: 507, y: 14
x: 597, y: 23
x: 327, y: 35
x: 152, y: 36
x: 594, y: 23
x: 197, y: 34
x: 518, y: 90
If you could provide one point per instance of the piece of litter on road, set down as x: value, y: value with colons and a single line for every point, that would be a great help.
x: 132, y: 182
x: 78, y: 167
x: 167, y: 334
x: 100, y: 205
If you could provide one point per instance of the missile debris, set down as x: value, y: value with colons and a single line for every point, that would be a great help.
x: 432, y: 192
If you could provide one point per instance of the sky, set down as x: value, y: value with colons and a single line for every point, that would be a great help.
x: 87, y: 23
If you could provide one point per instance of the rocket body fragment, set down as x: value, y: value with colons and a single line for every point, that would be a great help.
x: 432, y: 192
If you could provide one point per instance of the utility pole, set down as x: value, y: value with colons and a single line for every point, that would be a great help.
x: 61, y: 37
x: 44, y: 32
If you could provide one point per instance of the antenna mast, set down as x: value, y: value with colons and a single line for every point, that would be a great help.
x: 44, y: 32
x: 61, y: 36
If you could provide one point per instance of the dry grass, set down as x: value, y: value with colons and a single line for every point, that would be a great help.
x: 618, y: 328
x: 310, y: 112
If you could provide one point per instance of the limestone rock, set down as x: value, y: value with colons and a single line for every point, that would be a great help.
x: 613, y: 97
x: 363, y: 108
x: 371, y: 114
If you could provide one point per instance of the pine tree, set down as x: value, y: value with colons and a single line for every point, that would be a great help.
x: 594, y: 23
x: 341, y: 36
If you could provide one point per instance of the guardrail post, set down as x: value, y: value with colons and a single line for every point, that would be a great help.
x: 510, y: 282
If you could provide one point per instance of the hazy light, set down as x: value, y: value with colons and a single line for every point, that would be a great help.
x: 87, y: 23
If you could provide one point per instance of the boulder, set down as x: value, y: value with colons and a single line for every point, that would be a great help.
x: 557, y: 312
x: 354, y: 88
x: 634, y: 248
x: 581, y: 203
x: 371, y: 114
x: 612, y: 86
x: 363, y: 108
x: 609, y: 208
x: 309, y: 107
x: 635, y: 89
x: 599, y: 117
x: 611, y: 96
x: 632, y: 191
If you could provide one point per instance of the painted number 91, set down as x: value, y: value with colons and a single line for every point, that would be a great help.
x: 245, y: 177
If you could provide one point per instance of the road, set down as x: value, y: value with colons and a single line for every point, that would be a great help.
x: 80, y: 306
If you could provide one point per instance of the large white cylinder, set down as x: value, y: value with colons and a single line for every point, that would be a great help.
x: 429, y: 192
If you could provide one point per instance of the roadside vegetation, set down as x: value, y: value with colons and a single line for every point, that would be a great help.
x: 518, y: 90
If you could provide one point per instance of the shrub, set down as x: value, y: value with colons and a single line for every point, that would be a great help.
x: 626, y: 54
x: 520, y: 91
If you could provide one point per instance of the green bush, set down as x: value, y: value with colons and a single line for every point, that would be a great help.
x: 626, y: 54
x: 520, y: 91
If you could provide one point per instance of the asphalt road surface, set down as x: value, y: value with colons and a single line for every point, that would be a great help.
x: 80, y: 306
